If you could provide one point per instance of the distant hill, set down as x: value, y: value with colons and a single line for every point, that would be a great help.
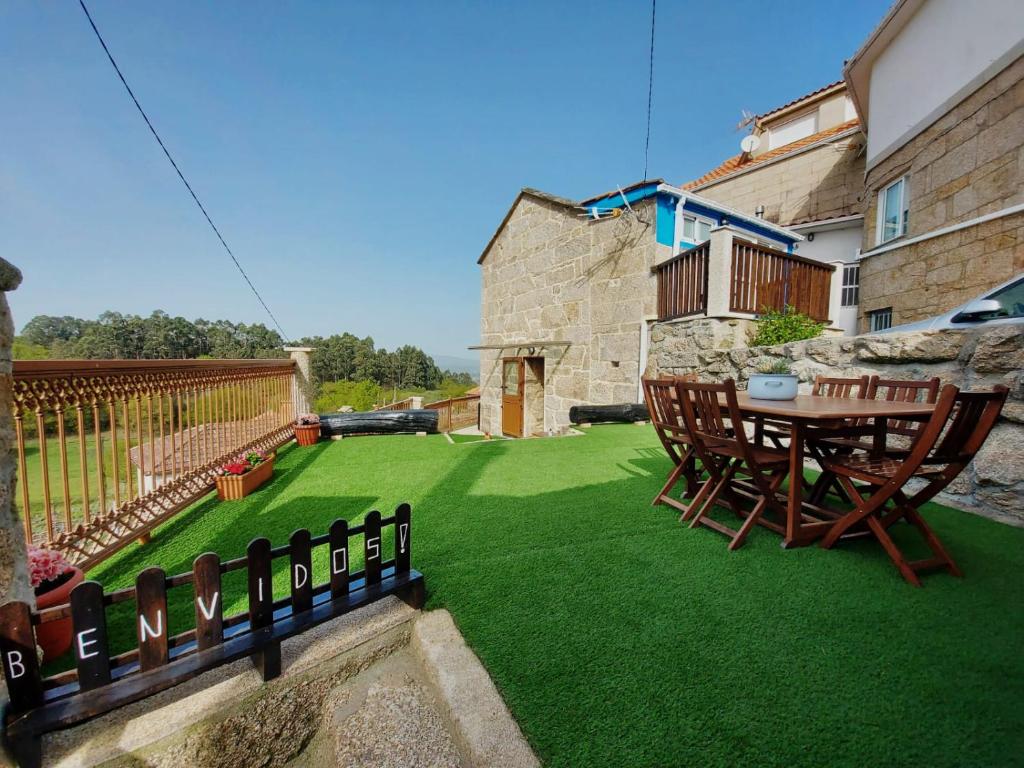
x: 458, y: 365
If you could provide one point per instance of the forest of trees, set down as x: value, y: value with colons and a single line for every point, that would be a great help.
x: 338, y: 358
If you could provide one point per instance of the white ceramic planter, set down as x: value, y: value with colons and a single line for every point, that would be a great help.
x: 772, y: 386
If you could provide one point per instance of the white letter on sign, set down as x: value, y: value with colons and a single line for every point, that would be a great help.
x: 146, y: 631
x: 300, y: 580
x: 335, y: 568
x: 373, y: 545
x: 82, y: 642
x: 403, y: 532
x: 208, y: 614
x: 13, y: 662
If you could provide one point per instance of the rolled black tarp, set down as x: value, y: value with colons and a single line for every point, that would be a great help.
x: 594, y: 414
x: 378, y: 422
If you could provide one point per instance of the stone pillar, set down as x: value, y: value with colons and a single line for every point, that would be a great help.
x: 302, y: 386
x: 417, y: 402
x: 835, y: 294
x: 719, y: 271
x: 13, y: 568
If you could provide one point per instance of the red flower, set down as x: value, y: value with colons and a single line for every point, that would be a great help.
x: 236, y: 468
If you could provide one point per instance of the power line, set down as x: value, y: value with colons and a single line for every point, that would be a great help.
x: 178, y: 170
x: 650, y: 88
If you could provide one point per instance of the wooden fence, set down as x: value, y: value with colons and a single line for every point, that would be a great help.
x: 764, y: 278
x: 109, y: 449
x: 456, y: 412
x: 102, y: 681
x: 683, y: 283
x: 398, y: 405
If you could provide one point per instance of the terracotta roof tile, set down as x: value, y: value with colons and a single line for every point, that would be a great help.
x: 733, y: 164
x: 806, y: 96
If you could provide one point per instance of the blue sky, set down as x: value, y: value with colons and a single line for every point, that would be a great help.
x: 357, y: 156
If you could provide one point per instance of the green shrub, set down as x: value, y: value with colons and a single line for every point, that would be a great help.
x: 774, y: 327
x: 361, y: 395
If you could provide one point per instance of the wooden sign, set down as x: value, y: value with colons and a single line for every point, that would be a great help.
x: 101, y: 682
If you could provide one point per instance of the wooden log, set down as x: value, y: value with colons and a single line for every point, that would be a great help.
x: 594, y: 414
x: 378, y: 422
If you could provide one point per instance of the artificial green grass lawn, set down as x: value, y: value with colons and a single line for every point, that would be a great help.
x: 619, y: 637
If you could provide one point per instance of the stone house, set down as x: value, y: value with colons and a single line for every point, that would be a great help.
x: 939, y: 90
x: 568, y: 294
x: 802, y: 167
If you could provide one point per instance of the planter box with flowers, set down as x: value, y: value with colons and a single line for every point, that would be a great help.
x: 52, y: 577
x: 307, y: 429
x: 240, y: 477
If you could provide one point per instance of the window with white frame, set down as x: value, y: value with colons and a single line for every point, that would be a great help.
x: 696, y: 230
x: 851, y: 285
x: 880, y: 319
x: 893, y: 210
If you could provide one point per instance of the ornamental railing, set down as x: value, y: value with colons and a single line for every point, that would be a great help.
x: 456, y: 412
x: 109, y: 449
x: 103, y: 680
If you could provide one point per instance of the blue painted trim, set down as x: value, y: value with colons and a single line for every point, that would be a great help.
x: 720, y: 218
x: 614, y: 200
x: 665, y: 229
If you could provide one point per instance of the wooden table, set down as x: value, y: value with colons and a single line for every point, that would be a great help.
x: 807, y: 410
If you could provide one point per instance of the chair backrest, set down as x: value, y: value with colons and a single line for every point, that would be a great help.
x: 712, y: 427
x: 853, y: 388
x: 904, y: 391
x: 952, y: 436
x: 662, y: 405
x: 974, y: 416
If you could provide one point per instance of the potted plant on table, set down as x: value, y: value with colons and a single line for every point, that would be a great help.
x: 307, y: 429
x: 776, y: 381
x: 243, y: 475
x: 52, y: 577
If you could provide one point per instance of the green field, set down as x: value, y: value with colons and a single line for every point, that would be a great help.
x: 619, y: 637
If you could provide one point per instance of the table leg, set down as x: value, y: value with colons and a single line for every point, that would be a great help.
x: 878, y: 436
x: 796, y: 484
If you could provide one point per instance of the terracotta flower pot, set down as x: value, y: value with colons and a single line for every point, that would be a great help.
x: 54, y: 637
x: 307, y: 434
x: 232, y: 487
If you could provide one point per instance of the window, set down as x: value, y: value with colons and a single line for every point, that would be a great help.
x: 696, y: 230
x: 880, y: 319
x: 794, y: 130
x: 851, y: 285
x: 893, y: 205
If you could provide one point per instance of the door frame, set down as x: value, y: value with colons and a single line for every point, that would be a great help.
x: 522, y: 400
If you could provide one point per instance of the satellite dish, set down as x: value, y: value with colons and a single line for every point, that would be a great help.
x: 750, y: 143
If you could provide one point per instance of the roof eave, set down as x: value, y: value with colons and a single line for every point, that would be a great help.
x: 524, y: 192
x: 730, y: 211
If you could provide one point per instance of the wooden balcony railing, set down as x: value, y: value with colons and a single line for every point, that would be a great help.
x: 109, y: 449
x: 756, y: 278
x: 398, y: 405
x: 456, y: 412
x: 764, y: 278
x: 683, y: 283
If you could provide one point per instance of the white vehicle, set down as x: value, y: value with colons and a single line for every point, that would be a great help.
x: 1003, y: 304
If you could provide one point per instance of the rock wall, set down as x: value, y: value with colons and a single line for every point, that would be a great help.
x: 972, y: 359
x: 13, y: 570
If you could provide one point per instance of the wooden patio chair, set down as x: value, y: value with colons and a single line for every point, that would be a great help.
x: 855, y: 436
x: 943, y: 447
x: 725, y: 451
x: 667, y: 418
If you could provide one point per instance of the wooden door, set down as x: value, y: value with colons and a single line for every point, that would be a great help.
x: 512, y: 396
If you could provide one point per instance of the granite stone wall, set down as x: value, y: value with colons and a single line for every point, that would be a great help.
x: 551, y: 275
x: 968, y: 163
x: 976, y: 359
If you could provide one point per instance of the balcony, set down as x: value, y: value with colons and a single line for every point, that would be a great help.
x: 727, y: 276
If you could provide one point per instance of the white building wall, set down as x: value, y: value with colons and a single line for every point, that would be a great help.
x: 947, y: 48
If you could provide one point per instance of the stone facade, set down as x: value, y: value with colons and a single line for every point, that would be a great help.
x: 13, y: 570
x: 977, y: 359
x: 821, y: 183
x: 968, y: 163
x: 550, y: 275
